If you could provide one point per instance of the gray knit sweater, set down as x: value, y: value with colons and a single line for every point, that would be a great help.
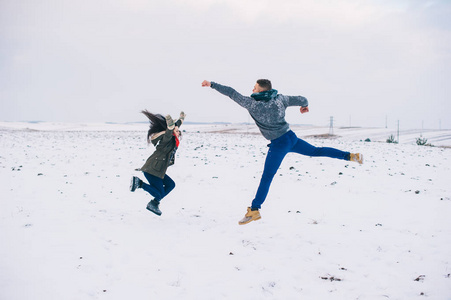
x: 269, y: 116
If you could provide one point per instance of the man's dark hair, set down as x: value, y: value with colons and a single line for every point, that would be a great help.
x: 265, y: 84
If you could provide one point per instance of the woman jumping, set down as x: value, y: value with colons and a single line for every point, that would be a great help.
x: 165, y: 135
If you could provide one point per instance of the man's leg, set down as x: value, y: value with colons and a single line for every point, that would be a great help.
x: 276, y: 154
x: 304, y: 148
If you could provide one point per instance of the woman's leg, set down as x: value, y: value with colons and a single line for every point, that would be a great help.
x: 155, y: 186
x: 304, y: 148
x: 168, y: 185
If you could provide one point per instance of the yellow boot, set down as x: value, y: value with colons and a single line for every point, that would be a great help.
x: 357, y: 157
x: 251, y: 215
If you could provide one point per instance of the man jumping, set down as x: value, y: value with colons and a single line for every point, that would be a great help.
x: 267, y: 108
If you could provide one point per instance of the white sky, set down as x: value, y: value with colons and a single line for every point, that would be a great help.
x: 363, y: 62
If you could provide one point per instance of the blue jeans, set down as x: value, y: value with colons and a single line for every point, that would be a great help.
x: 280, y: 147
x: 158, y: 187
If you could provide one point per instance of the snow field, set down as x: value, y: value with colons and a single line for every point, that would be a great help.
x: 330, y: 229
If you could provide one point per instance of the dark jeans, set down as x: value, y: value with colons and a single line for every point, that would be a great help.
x: 158, y: 187
x: 280, y: 147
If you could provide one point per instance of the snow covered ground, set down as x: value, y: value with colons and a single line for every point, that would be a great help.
x: 330, y: 229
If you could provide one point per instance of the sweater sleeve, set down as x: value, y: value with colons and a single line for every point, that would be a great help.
x: 296, y: 101
x: 162, y: 137
x: 167, y: 135
x: 232, y: 94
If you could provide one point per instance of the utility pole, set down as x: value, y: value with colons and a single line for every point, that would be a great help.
x: 331, y: 127
x: 422, y: 128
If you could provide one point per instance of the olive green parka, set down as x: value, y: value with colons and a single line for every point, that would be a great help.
x: 164, y: 155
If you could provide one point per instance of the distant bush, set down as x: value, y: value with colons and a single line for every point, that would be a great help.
x: 422, y: 142
x: 391, y: 139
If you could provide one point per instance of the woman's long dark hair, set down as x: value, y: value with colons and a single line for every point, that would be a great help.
x: 157, y: 123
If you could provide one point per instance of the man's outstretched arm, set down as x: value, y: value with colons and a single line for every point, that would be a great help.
x: 230, y: 92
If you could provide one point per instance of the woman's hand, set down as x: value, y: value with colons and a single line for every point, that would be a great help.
x: 170, y: 122
x: 304, y: 109
x: 206, y: 83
